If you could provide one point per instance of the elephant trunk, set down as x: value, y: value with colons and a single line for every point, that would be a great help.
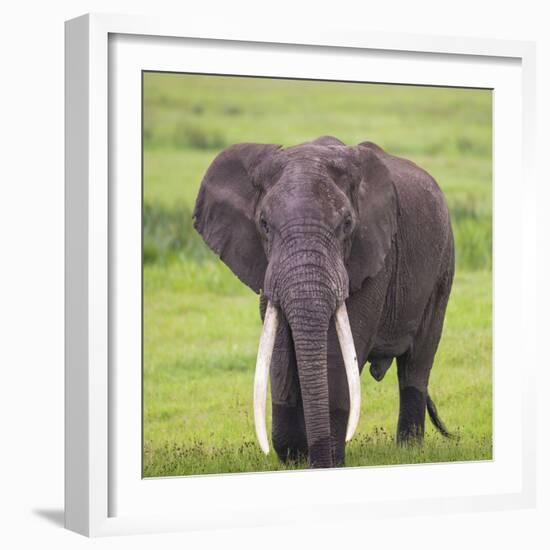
x: 310, y: 283
x: 309, y: 328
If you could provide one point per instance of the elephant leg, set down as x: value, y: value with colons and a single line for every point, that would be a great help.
x: 369, y: 299
x: 339, y: 408
x: 288, y: 423
x: 288, y: 432
x: 412, y: 412
x: 414, y: 367
x: 338, y: 397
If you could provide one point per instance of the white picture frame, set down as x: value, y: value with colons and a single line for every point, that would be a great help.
x: 104, y: 491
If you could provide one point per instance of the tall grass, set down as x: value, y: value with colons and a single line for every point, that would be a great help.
x: 473, y: 234
x: 169, y: 235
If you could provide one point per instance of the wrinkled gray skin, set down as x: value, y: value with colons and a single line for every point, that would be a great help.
x: 316, y: 224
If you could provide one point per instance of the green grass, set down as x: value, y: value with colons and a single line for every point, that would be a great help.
x: 198, y: 407
x: 201, y: 325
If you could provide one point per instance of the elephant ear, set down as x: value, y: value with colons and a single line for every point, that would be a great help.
x: 224, y: 212
x: 376, y: 203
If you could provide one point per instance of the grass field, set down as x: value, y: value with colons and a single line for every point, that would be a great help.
x: 201, y: 325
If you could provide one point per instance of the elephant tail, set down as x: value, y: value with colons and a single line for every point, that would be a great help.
x: 436, y: 421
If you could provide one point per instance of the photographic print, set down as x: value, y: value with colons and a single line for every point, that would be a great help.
x: 317, y: 274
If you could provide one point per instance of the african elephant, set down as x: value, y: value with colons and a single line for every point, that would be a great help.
x: 352, y: 252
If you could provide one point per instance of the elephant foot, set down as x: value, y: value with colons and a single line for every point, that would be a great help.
x: 289, y: 438
x: 292, y: 455
x: 412, y: 415
x: 290, y: 442
x: 338, y: 427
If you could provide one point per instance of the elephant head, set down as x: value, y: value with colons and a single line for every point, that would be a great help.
x: 305, y: 225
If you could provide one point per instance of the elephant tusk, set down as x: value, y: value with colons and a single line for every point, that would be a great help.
x: 263, y: 361
x: 345, y: 338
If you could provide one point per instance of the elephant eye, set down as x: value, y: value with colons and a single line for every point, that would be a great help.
x: 264, y: 225
x: 348, y: 224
